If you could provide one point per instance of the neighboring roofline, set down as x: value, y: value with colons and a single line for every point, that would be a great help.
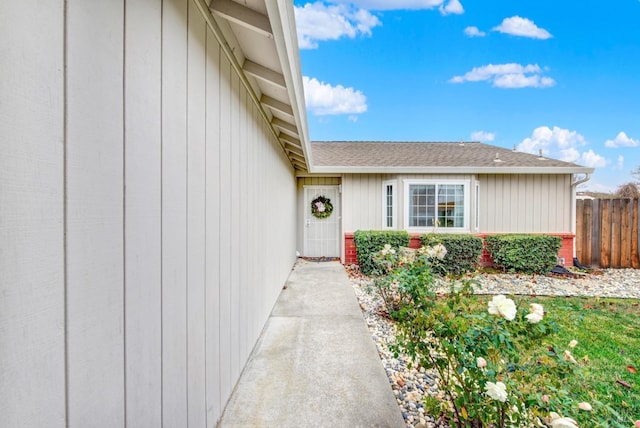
x: 498, y: 166
x: 449, y: 170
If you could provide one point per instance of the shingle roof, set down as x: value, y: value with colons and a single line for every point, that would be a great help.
x: 365, y: 156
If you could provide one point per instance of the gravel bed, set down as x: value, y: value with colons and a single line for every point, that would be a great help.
x: 410, y: 385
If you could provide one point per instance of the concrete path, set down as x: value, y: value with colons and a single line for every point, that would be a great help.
x: 315, y: 364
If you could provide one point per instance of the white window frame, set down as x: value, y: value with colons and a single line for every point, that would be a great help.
x: 394, y: 203
x: 477, y: 206
x: 467, y: 206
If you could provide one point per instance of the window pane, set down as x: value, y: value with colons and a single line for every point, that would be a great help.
x: 389, y: 206
x: 421, y: 205
x: 451, y: 205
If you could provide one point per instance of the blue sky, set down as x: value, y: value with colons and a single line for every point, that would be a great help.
x: 559, y: 76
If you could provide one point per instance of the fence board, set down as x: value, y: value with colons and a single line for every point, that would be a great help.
x: 607, y: 232
x: 625, y: 238
x: 635, y: 262
x: 588, y: 229
x: 605, y: 247
x: 596, y: 234
x: 615, y: 232
x: 580, y: 230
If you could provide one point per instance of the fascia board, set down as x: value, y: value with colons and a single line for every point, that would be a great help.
x: 449, y: 170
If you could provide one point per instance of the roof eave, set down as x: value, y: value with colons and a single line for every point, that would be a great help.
x: 286, y: 40
x: 284, y: 112
x: 450, y: 170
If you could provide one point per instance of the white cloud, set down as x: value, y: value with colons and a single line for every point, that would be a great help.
x: 483, y: 136
x: 549, y: 140
x: 522, y: 81
x: 392, y: 4
x: 317, y: 21
x: 620, y: 163
x: 474, y: 32
x: 334, y: 19
x: 621, y: 140
x: 570, y: 154
x: 591, y: 159
x: 517, y: 26
x: 324, y: 99
x: 353, y: 118
x: 453, y: 7
x: 563, y: 144
x: 507, y: 76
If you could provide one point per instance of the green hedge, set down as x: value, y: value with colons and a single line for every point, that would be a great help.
x: 463, y: 252
x: 369, y: 242
x: 524, y: 253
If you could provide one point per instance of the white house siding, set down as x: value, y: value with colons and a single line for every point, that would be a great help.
x: 145, y: 216
x: 508, y: 203
x: 362, y: 198
x: 525, y: 203
x: 32, y: 270
x: 362, y: 202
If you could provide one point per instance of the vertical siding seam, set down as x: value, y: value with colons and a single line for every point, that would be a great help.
x: 161, y: 214
x: 206, y: 170
x: 124, y: 210
x: 186, y: 213
x: 220, y: 397
x: 64, y: 212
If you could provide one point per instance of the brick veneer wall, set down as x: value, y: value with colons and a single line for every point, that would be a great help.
x: 566, y: 248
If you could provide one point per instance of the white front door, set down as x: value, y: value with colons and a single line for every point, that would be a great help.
x: 322, y: 235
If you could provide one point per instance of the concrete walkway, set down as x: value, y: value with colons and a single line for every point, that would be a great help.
x: 315, y: 364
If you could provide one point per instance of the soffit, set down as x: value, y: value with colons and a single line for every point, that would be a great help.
x: 261, y: 38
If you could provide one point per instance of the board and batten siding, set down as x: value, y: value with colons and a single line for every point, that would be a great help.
x: 361, y: 202
x: 362, y: 198
x: 525, y: 203
x: 145, y: 216
x: 508, y: 203
x: 32, y: 268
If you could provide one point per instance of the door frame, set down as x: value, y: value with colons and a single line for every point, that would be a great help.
x: 336, y: 212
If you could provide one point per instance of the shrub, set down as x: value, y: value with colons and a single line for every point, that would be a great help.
x: 369, y: 242
x: 496, y: 363
x: 524, y: 253
x: 463, y: 252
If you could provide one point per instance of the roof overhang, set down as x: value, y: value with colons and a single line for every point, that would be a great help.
x: 259, y: 38
x: 448, y: 170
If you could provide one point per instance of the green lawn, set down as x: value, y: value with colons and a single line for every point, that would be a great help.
x: 608, y: 333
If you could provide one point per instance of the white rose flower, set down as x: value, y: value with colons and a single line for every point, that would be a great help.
x: 560, y: 422
x: 585, y: 406
x: 497, y: 391
x: 569, y: 357
x: 536, y: 308
x: 502, y: 306
x: 534, y: 317
x: 439, y: 251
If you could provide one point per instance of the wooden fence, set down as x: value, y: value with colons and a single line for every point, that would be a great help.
x: 607, y: 232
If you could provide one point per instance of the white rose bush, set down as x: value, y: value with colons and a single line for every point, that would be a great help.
x: 497, y: 367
